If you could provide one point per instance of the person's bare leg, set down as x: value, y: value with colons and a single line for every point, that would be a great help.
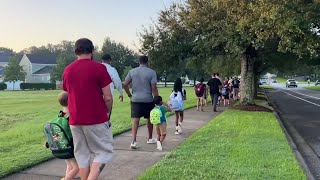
x: 68, y: 169
x: 73, y: 171
x: 163, y: 136
x: 150, y: 128
x: 135, y: 125
x: 84, y: 173
x: 158, y: 132
x: 181, y: 116
x: 177, y: 118
x: 201, y: 99
x: 96, y: 169
x: 198, y: 103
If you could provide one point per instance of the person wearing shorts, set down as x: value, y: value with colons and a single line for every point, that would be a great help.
x: 90, y: 103
x: 144, y: 84
x: 200, y: 89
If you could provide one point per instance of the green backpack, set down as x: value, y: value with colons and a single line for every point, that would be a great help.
x: 59, y: 137
x: 156, y: 115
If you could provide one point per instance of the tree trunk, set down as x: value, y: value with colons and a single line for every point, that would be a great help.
x: 13, y: 86
x: 255, y: 85
x: 247, y: 79
x: 165, y: 81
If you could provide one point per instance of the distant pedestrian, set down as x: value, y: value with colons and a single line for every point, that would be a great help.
x: 90, y: 103
x: 236, y: 85
x: 220, y: 95
x: 178, y: 96
x: 144, y: 84
x: 200, y: 90
x: 214, y: 85
x: 309, y: 82
x: 158, y: 117
x: 116, y: 81
x: 225, y: 94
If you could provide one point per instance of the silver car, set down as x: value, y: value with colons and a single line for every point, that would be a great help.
x: 291, y: 83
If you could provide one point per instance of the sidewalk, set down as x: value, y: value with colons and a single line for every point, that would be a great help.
x: 128, y: 164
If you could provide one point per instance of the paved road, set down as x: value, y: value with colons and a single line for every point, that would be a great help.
x: 299, y: 109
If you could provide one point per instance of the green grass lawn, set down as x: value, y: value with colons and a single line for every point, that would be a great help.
x: 316, y: 88
x: 284, y: 80
x: 236, y: 145
x: 23, y: 114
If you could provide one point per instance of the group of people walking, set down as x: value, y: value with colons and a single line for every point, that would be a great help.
x: 87, y: 100
x: 219, y: 90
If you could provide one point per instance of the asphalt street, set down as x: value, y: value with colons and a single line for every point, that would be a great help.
x: 299, y: 109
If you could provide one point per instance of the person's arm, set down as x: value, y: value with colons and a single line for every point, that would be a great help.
x: 118, y: 84
x: 107, y: 97
x: 154, y: 87
x: 126, y: 84
x: 167, y: 106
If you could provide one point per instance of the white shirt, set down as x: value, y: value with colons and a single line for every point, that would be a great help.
x: 116, y: 81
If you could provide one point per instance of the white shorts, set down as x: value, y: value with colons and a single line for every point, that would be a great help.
x: 92, y: 143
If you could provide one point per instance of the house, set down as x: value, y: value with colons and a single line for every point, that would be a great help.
x: 38, y: 68
x: 4, y: 60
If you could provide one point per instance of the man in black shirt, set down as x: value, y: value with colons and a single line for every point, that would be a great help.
x: 214, y: 85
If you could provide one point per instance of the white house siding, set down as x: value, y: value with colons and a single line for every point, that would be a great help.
x: 27, y: 67
x: 3, y: 64
x: 40, y: 78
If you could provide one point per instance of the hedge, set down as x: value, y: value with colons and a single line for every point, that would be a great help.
x: 3, y: 86
x: 37, y: 86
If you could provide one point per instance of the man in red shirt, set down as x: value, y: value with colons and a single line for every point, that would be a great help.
x: 90, y: 103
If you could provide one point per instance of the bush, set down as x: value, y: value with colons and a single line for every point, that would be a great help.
x: 3, y: 86
x: 37, y: 86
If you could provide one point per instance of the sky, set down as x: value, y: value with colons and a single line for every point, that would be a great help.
x: 25, y: 23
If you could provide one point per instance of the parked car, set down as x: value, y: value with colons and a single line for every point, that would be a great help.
x: 317, y: 83
x: 291, y: 82
x: 263, y: 82
x: 274, y: 81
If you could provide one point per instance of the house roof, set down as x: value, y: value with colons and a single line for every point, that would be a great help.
x: 45, y: 70
x: 4, y: 57
x: 42, y: 59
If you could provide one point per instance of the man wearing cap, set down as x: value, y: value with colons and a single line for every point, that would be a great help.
x: 116, y: 81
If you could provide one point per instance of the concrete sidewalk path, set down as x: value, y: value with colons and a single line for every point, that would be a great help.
x: 127, y: 163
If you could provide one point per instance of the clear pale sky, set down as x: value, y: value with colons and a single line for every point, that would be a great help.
x: 25, y: 23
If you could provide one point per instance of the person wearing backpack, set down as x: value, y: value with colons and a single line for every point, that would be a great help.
x: 59, y: 138
x: 214, y: 85
x: 225, y: 94
x: 200, y: 90
x: 158, y: 118
x: 236, y: 85
x: 176, y: 103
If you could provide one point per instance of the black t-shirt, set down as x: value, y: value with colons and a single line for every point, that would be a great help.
x: 236, y: 83
x: 214, y: 84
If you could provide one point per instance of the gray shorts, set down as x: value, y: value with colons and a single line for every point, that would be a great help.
x: 93, y: 143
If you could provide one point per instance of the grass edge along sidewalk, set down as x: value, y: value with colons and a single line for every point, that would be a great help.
x: 236, y: 145
x: 315, y: 88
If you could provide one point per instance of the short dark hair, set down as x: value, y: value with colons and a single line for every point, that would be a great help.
x: 143, y: 59
x: 63, y: 99
x: 201, y: 80
x: 106, y: 57
x: 157, y: 100
x: 83, y: 46
x: 217, y: 74
x: 214, y: 74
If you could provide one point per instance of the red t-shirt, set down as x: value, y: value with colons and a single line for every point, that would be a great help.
x: 84, y: 80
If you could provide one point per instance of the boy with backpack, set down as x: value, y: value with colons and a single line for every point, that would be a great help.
x: 225, y: 95
x: 158, y: 118
x: 59, y: 138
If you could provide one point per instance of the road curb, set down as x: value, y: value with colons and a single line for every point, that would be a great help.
x: 284, y: 126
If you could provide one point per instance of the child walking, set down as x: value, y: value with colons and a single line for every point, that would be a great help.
x: 226, y: 95
x: 158, y: 117
x: 72, y: 166
x: 178, y: 95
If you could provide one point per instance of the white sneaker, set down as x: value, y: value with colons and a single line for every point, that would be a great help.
x: 133, y: 145
x: 179, y: 129
x: 159, y: 146
x: 151, y: 141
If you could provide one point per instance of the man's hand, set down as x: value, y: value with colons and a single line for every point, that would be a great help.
x: 121, y: 98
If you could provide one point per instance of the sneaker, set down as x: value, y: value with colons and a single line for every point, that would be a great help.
x: 159, y: 146
x: 179, y: 129
x: 176, y: 132
x: 133, y: 145
x: 151, y: 141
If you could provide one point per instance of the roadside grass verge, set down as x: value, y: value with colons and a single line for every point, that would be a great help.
x: 23, y: 114
x: 316, y: 88
x: 236, y: 145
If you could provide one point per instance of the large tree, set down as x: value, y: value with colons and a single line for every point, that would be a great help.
x: 14, y: 71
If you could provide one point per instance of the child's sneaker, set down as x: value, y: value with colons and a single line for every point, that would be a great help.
x: 133, y: 145
x: 159, y: 146
x: 177, y: 131
x: 151, y: 141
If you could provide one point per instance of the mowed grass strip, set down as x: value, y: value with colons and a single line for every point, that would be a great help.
x: 236, y: 145
x: 315, y: 88
x: 23, y: 114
